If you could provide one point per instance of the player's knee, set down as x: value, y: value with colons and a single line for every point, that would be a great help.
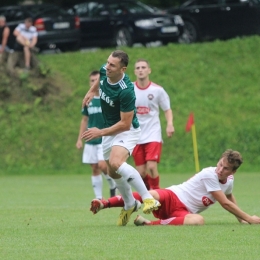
x: 193, y: 219
x: 114, y: 164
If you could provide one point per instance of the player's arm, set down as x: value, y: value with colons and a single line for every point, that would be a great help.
x: 82, y: 128
x: 169, y: 119
x: 233, y: 208
x: 123, y: 125
x: 90, y: 94
x: 232, y: 198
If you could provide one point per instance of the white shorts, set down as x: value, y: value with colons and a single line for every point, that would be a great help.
x: 127, y: 139
x: 92, y: 153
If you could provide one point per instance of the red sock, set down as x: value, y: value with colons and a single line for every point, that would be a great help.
x: 175, y: 221
x: 146, y: 181
x: 118, y: 201
x: 154, y: 183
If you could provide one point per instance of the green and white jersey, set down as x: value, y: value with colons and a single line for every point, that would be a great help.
x: 116, y: 98
x: 95, y: 117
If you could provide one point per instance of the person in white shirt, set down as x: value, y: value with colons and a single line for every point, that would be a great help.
x: 150, y: 97
x: 181, y: 204
x: 26, y: 38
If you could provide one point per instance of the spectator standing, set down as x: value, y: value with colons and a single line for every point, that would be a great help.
x: 92, y: 153
x: 26, y: 39
x: 150, y: 97
x: 4, y: 35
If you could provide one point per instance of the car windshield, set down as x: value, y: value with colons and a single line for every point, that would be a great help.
x: 130, y: 7
x: 45, y: 10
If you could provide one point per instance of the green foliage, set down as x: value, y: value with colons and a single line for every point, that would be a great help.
x: 217, y: 81
x: 48, y: 217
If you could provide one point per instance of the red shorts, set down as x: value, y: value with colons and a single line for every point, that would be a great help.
x: 171, y: 206
x: 147, y: 152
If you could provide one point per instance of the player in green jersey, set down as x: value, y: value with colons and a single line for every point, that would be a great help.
x: 92, y: 153
x: 121, y: 133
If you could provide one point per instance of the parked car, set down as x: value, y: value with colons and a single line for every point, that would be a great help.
x: 124, y: 22
x: 218, y: 19
x: 56, y: 28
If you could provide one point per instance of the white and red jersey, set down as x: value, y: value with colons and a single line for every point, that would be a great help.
x: 195, y: 193
x: 148, y: 102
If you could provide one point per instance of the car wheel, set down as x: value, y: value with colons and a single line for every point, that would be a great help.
x: 190, y: 33
x: 123, y: 37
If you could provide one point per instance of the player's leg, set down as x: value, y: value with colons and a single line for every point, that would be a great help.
x: 171, y: 212
x: 113, y: 202
x: 103, y: 167
x: 89, y: 156
x: 189, y: 219
x: 140, y: 163
x: 97, y: 181
x: 123, y: 146
x: 152, y: 157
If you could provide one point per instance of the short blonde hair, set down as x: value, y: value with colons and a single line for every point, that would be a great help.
x: 2, y: 18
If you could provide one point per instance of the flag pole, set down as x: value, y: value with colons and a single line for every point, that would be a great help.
x: 195, y: 148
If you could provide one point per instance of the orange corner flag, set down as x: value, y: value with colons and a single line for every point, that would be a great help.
x: 190, y: 122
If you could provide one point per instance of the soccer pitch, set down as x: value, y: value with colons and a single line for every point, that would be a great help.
x: 48, y: 217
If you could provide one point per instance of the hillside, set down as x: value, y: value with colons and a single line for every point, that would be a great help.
x: 218, y: 81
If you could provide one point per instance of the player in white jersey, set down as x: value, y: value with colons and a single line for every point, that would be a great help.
x: 92, y: 153
x: 26, y: 38
x: 180, y: 204
x: 150, y: 98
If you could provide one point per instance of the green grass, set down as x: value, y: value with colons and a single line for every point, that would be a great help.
x: 219, y: 81
x: 47, y: 217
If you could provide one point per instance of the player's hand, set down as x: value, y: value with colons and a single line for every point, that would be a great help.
x: 170, y: 130
x: 88, y: 97
x: 79, y: 144
x: 91, y: 133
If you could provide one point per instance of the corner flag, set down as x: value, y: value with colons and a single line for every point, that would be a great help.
x: 191, y: 126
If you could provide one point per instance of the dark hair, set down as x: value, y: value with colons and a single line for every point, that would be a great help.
x: 94, y: 73
x: 122, y: 56
x: 233, y: 157
x: 29, y: 20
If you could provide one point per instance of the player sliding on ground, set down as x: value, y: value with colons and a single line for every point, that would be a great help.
x: 180, y: 204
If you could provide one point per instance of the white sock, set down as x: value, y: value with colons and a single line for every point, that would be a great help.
x: 97, y: 184
x: 126, y: 192
x: 132, y: 176
x: 110, y: 181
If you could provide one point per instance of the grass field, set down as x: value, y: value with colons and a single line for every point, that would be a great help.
x: 48, y: 217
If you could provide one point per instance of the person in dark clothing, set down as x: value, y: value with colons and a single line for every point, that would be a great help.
x: 4, y: 35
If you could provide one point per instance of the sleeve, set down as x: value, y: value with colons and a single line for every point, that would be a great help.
x: 35, y: 33
x: 164, y: 100
x: 209, y: 180
x: 18, y: 27
x: 84, y: 111
x: 230, y: 188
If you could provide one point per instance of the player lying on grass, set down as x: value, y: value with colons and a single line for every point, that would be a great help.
x: 180, y: 204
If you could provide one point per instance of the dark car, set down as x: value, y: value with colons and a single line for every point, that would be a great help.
x: 56, y: 28
x: 218, y: 19
x: 124, y: 22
